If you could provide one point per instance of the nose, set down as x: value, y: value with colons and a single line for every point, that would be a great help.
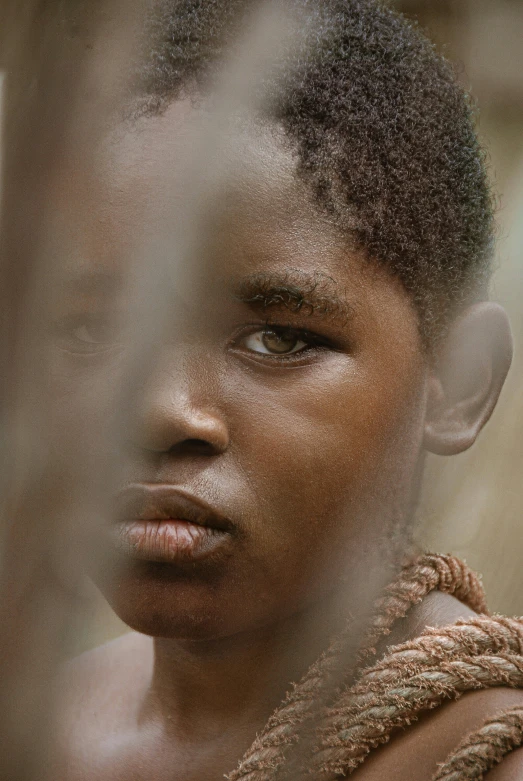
x: 178, y: 412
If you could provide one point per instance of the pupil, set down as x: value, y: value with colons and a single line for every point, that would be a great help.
x: 279, y: 343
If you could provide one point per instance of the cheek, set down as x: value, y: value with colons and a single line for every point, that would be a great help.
x: 83, y: 410
x: 335, y: 449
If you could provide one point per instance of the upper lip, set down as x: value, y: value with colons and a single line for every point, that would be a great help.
x: 156, y: 502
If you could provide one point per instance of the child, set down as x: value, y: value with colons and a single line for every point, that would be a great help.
x: 336, y: 329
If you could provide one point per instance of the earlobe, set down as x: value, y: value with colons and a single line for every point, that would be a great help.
x: 467, y: 378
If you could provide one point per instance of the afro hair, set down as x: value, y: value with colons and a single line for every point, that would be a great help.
x: 384, y: 133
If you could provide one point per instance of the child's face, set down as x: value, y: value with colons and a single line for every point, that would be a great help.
x: 306, y: 440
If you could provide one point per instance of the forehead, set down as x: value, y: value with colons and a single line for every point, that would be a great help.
x: 228, y: 190
x: 236, y: 178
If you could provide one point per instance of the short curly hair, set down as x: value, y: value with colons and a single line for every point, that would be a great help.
x: 384, y: 132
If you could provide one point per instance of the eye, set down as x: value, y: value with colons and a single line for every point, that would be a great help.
x: 86, y: 333
x: 275, y: 342
x: 90, y: 333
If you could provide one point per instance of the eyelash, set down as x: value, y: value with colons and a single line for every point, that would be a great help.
x: 66, y: 327
x: 313, y: 341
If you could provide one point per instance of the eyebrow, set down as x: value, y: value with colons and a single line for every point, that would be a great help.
x: 297, y: 291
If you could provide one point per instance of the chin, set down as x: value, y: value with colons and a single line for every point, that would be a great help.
x: 160, y: 601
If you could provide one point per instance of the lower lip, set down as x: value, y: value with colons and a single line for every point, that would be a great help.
x: 169, y: 541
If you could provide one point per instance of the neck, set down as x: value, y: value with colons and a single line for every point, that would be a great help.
x: 201, y: 688
x: 204, y: 688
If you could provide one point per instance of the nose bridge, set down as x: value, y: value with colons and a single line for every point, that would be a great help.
x: 180, y: 402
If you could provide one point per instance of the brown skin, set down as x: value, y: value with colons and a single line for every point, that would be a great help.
x: 314, y: 458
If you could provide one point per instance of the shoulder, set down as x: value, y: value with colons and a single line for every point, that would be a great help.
x: 511, y: 769
x: 97, y: 676
x: 99, y: 695
x: 415, y: 753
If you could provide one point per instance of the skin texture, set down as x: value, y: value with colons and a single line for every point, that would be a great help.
x: 314, y: 459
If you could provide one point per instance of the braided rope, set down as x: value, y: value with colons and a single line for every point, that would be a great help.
x: 269, y: 752
x: 444, y: 573
x: 467, y: 637
x: 413, y: 677
x: 484, y: 749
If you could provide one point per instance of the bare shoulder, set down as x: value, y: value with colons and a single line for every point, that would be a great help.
x: 414, y: 754
x: 511, y: 769
x: 99, y: 695
x: 106, y: 676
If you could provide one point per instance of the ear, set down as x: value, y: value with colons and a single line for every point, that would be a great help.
x: 467, y: 377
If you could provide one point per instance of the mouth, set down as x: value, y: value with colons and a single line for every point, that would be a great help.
x: 160, y: 523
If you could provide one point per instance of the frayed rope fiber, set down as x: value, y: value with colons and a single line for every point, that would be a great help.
x: 413, y: 677
x: 484, y: 749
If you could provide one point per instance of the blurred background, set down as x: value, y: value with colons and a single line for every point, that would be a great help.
x: 472, y: 504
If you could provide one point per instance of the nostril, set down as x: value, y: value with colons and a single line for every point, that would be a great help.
x: 201, y: 446
x: 197, y: 443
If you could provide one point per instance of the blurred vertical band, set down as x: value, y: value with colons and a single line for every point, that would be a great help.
x: 46, y: 50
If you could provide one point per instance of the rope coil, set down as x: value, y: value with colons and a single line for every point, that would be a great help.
x: 482, y: 750
x: 412, y: 677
